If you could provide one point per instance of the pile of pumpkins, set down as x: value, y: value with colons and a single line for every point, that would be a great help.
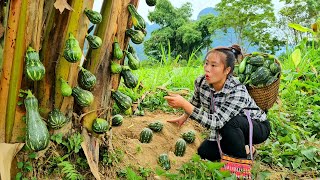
x: 37, y: 134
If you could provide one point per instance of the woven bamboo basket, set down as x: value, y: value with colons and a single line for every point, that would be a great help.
x: 265, y: 96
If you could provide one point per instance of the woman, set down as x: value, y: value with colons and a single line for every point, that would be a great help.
x: 218, y: 104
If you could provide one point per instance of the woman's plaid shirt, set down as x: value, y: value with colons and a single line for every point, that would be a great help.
x: 214, y: 109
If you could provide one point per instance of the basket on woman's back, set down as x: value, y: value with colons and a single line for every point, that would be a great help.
x: 260, y: 73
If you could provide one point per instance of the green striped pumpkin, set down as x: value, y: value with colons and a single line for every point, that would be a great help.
x: 86, y: 79
x: 94, y: 41
x: 56, y: 119
x: 123, y: 101
x: 117, y: 51
x: 130, y: 80
x: 136, y: 36
x: 34, y: 68
x: 93, y: 16
x: 156, y: 126
x: 37, y: 134
x: 189, y: 136
x: 146, y: 135
x: 133, y: 63
x: 117, y: 120
x: 82, y: 97
x: 180, y: 147
x: 100, y: 126
x: 137, y: 20
x: 164, y: 161
x: 72, y: 51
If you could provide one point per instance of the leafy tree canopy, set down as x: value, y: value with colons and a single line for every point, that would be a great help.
x: 303, y: 12
x: 177, y: 30
x: 251, y: 21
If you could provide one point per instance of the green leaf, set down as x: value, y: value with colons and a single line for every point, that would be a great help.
x: 196, y: 158
x: 296, y: 57
x: 20, y: 165
x: 297, y: 162
x: 214, y: 165
x: 298, y: 27
x: 263, y: 175
x: 18, y: 176
x: 309, y: 153
x: 33, y: 155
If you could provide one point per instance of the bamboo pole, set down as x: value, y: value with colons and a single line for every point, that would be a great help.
x: 16, y: 71
x: 8, y: 51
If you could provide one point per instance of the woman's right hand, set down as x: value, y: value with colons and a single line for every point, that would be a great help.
x: 180, y: 120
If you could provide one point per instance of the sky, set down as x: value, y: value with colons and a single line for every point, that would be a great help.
x: 197, y: 6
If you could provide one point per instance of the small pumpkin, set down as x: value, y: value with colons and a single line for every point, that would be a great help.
x: 93, y: 16
x: 82, y: 97
x: 72, y: 51
x: 86, y: 79
x: 56, y: 119
x: 94, y: 41
x: 34, y: 68
x: 65, y: 88
x: 117, y: 52
x: 100, y: 126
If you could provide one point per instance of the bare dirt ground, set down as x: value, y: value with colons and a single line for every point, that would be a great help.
x: 126, y: 138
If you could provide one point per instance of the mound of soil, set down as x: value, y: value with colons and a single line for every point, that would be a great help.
x: 126, y: 138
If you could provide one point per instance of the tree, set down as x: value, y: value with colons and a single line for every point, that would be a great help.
x: 303, y: 12
x: 251, y: 22
x: 178, y: 31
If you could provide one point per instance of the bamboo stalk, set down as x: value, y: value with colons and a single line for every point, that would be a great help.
x: 16, y: 71
x: 31, y: 36
x: 8, y: 51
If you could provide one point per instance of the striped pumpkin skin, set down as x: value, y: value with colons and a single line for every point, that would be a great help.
x: 136, y: 36
x: 180, y: 147
x: 164, y: 161
x: 130, y: 80
x: 137, y: 20
x: 72, y: 51
x: 82, y: 97
x: 94, y: 41
x: 34, y: 68
x: 100, y: 126
x: 117, y: 52
x: 123, y: 101
x: 146, y: 135
x: 156, y: 126
x: 93, y: 16
x: 117, y: 120
x: 133, y: 63
x: 56, y: 119
x: 189, y: 136
x: 86, y: 79
x: 37, y: 134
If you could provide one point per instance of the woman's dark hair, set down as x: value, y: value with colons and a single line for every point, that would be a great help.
x: 232, y: 54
